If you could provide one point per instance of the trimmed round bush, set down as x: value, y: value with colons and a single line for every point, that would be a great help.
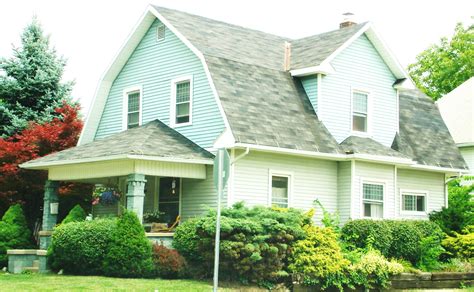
x: 368, y: 233
x: 14, y: 232
x: 318, y: 258
x: 169, y: 264
x: 80, y: 247
x: 129, y: 253
x: 76, y: 214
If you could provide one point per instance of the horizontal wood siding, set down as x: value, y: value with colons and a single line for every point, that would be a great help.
x: 199, y: 195
x: 359, y: 66
x: 376, y: 173
x: 431, y: 182
x: 310, y: 85
x: 468, y: 154
x: 344, y: 190
x: 153, y: 65
x: 311, y: 179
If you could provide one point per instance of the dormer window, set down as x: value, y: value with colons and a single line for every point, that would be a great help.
x: 360, y: 111
x: 181, y: 101
x: 160, y: 32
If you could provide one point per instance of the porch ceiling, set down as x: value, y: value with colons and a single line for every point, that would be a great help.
x: 152, y: 149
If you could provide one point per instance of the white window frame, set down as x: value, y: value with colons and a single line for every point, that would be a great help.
x: 158, y: 39
x: 384, y: 193
x: 369, y: 112
x: 174, y: 82
x: 125, y: 93
x: 423, y: 193
x: 289, y: 175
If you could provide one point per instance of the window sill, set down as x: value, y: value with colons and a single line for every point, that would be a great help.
x: 361, y: 134
x: 414, y: 213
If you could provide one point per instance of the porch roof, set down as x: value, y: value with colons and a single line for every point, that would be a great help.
x: 153, y: 141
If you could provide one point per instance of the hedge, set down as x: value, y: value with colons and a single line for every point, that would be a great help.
x: 75, y: 215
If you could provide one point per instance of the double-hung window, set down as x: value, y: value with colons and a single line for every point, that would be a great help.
x: 181, y: 110
x: 132, y: 108
x: 360, y: 111
x: 372, y: 200
x: 280, y: 191
x: 413, y: 201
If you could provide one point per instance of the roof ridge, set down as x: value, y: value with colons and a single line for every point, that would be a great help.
x: 362, y: 24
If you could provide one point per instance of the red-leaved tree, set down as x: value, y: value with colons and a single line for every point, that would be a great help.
x: 24, y: 186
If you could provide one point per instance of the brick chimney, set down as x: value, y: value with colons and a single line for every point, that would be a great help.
x: 348, y: 20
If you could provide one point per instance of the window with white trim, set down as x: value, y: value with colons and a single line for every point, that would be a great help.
x: 359, y: 111
x: 280, y: 191
x: 413, y: 202
x: 160, y: 32
x: 133, y: 109
x: 372, y: 200
x: 182, y: 102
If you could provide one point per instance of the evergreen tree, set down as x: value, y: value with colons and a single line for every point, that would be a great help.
x: 30, y: 82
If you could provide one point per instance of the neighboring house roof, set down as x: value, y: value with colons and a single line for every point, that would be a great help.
x: 154, y: 140
x: 423, y: 135
x: 362, y: 145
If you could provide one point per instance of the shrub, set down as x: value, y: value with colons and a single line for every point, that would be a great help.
x: 168, y: 263
x: 429, y: 252
x: 255, y: 242
x: 14, y: 232
x: 318, y: 258
x: 461, y: 245
x: 129, y: 253
x: 368, y: 233
x: 75, y: 215
x: 185, y: 240
x: 460, y: 211
x: 80, y: 247
x: 373, y: 270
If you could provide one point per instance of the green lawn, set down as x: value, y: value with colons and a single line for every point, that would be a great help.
x: 34, y: 282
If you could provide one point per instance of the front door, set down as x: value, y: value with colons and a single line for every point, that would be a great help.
x: 168, y: 199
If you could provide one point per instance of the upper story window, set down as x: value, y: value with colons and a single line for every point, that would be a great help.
x: 181, y: 103
x: 372, y: 200
x: 160, y: 32
x: 413, y: 201
x: 280, y: 188
x: 132, y: 108
x: 360, y: 107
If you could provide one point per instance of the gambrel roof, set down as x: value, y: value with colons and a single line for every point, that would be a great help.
x: 260, y: 102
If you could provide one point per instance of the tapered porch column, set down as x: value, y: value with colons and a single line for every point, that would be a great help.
x: 136, y: 193
x: 49, y: 219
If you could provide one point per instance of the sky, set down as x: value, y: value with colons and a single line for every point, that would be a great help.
x: 89, y: 33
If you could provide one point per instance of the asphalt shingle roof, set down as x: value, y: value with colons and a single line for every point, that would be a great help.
x: 423, y: 134
x: 363, y: 145
x: 152, y: 139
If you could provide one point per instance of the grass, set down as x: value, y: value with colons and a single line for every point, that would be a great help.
x: 35, y: 282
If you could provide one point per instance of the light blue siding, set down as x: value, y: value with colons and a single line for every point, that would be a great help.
x: 153, y: 65
x: 310, y: 85
x: 344, y: 184
x: 360, y: 67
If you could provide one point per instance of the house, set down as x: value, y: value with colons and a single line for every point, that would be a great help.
x: 328, y: 117
x: 457, y: 110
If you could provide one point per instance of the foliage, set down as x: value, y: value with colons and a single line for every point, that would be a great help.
x: 444, y: 66
x: 394, y: 238
x: 362, y: 234
x: 461, y: 245
x: 460, y: 211
x: 318, y: 258
x: 30, y: 86
x: 75, y: 215
x: 151, y: 217
x: 106, y: 195
x: 186, y: 240
x: 129, y: 253
x: 373, y: 270
x: 429, y: 251
x: 80, y: 247
x: 14, y: 232
x: 27, y: 186
x: 169, y: 264
x: 329, y: 220
x: 255, y: 242
x: 456, y: 265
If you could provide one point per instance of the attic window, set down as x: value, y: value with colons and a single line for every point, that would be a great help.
x: 160, y: 32
x: 359, y: 111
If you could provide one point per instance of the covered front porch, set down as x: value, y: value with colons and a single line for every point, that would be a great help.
x: 153, y: 170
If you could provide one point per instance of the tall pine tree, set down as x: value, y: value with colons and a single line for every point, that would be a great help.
x: 30, y: 84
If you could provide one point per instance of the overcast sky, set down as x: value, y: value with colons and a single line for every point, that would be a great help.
x: 89, y: 33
